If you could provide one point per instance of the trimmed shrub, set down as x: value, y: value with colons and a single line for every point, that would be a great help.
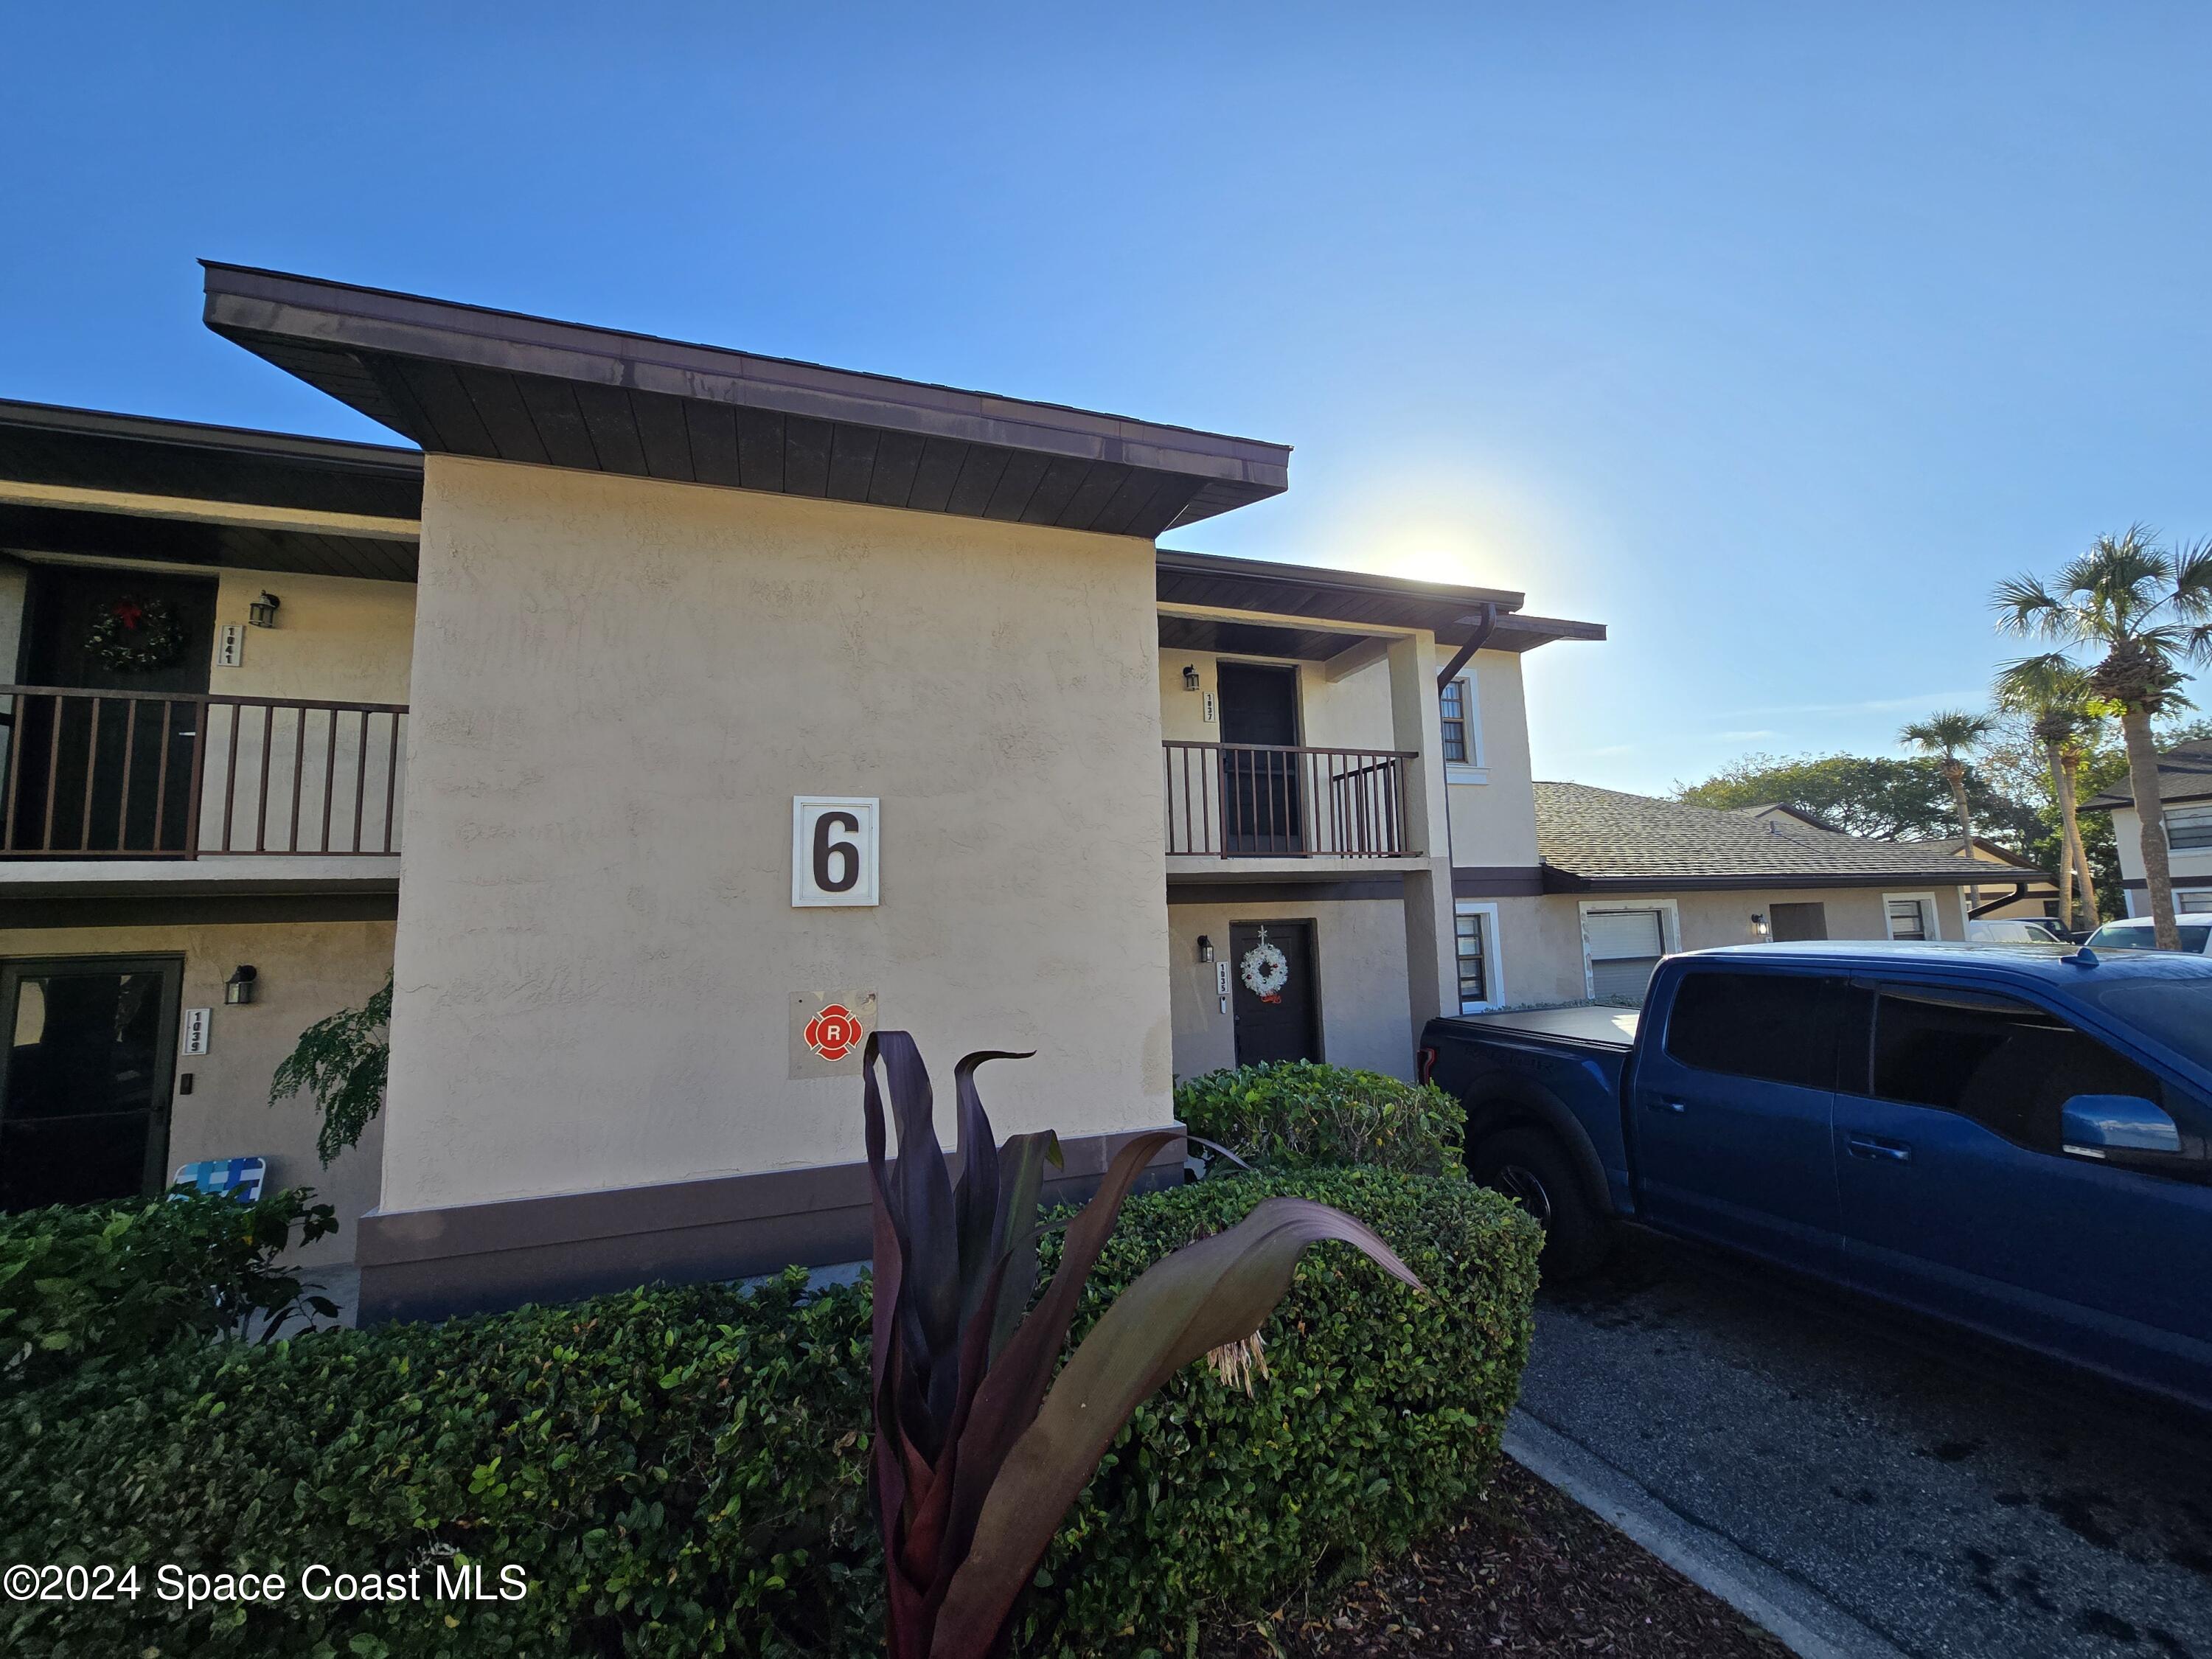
x: 682, y: 1472
x: 1296, y: 1114
x: 95, y: 1285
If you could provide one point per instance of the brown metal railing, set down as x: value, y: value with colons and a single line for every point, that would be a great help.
x: 152, y: 775
x: 1263, y: 801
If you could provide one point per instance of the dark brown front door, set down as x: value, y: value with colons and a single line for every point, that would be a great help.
x: 1284, y: 1022
x: 85, y: 1079
x: 97, y: 779
x: 1262, y: 803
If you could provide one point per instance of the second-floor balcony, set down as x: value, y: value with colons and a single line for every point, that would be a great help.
x: 134, y: 775
x: 1265, y: 801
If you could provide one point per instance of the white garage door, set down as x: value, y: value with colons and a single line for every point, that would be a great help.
x: 1623, y: 947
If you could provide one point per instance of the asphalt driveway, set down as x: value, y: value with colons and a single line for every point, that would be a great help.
x: 1951, y: 1496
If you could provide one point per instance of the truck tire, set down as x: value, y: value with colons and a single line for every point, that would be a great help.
x: 1529, y: 1165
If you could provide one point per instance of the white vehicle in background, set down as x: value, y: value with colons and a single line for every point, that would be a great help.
x: 2140, y: 933
x: 2017, y: 930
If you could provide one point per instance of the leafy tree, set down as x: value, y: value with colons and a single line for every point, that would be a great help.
x: 1875, y: 796
x: 342, y: 1062
x: 2145, y: 611
x: 1946, y: 736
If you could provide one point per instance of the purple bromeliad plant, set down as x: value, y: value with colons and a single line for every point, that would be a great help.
x: 979, y: 1450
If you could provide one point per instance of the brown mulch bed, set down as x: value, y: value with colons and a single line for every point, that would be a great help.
x: 1530, y: 1571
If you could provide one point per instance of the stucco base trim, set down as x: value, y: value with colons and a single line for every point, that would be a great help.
x: 479, y: 1258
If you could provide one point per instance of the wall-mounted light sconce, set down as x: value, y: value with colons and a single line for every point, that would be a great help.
x: 1205, y: 948
x: 239, y: 987
x: 1190, y: 677
x: 263, y: 611
x: 1759, y: 929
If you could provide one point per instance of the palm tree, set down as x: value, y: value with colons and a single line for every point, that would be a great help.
x: 2147, y: 610
x: 2054, y: 695
x: 1945, y: 734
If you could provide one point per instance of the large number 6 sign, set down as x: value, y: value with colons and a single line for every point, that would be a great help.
x: 845, y: 852
x: 833, y: 850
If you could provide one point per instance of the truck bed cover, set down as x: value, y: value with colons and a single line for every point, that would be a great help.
x: 1608, y: 1028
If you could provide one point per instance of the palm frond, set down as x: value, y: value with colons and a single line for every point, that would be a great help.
x: 2192, y: 580
x: 2024, y: 605
x: 2052, y: 683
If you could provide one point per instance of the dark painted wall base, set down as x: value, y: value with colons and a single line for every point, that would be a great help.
x: 480, y: 1258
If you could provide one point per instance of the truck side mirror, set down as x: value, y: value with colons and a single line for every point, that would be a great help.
x: 2094, y: 1125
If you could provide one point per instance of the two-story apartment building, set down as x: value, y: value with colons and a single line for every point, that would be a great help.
x: 659, y: 701
x: 2185, y: 788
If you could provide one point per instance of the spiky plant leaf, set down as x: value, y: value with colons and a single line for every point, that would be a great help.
x: 1210, y: 1293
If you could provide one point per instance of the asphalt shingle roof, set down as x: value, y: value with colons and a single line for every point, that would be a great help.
x: 1603, y: 835
x: 2184, y: 774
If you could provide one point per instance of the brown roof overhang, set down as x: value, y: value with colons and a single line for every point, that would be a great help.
x: 467, y: 381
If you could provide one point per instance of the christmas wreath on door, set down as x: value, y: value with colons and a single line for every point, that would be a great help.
x: 134, y: 635
x: 1265, y: 970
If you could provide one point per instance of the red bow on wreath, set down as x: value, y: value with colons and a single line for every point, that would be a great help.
x: 129, y: 612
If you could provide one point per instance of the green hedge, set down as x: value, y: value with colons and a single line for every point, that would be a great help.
x: 97, y: 1285
x: 1296, y: 1114
x: 680, y: 1472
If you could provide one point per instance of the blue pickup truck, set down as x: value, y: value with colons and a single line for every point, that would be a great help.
x: 2015, y: 1138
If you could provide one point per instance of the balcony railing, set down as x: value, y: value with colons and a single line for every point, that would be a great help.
x: 150, y: 774
x: 1260, y: 801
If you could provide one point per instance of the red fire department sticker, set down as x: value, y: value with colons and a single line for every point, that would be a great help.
x: 828, y: 1031
x: 835, y: 1032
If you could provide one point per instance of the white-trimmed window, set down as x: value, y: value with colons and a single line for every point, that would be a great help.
x: 2193, y: 901
x: 1475, y: 926
x: 1911, y: 916
x: 2189, y: 829
x: 1461, y: 717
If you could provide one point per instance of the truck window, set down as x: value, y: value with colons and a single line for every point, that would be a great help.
x: 1780, y: 1028
x: 2006, y: 1065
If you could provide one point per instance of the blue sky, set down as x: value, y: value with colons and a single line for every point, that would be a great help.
x: 1770, y: 336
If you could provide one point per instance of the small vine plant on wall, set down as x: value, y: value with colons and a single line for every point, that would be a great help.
x: 341, y: 1062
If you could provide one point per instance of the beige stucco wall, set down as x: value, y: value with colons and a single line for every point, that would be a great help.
x: 619, y: 685
x: 1360, y: 947
x: 1540, y: 956
x: 337, y: 639
x: 308, y: 970
x: 1493, y: 822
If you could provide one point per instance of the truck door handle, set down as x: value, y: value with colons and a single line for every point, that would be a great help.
x: 1676, y: 1106
x: 1873, y: 1148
